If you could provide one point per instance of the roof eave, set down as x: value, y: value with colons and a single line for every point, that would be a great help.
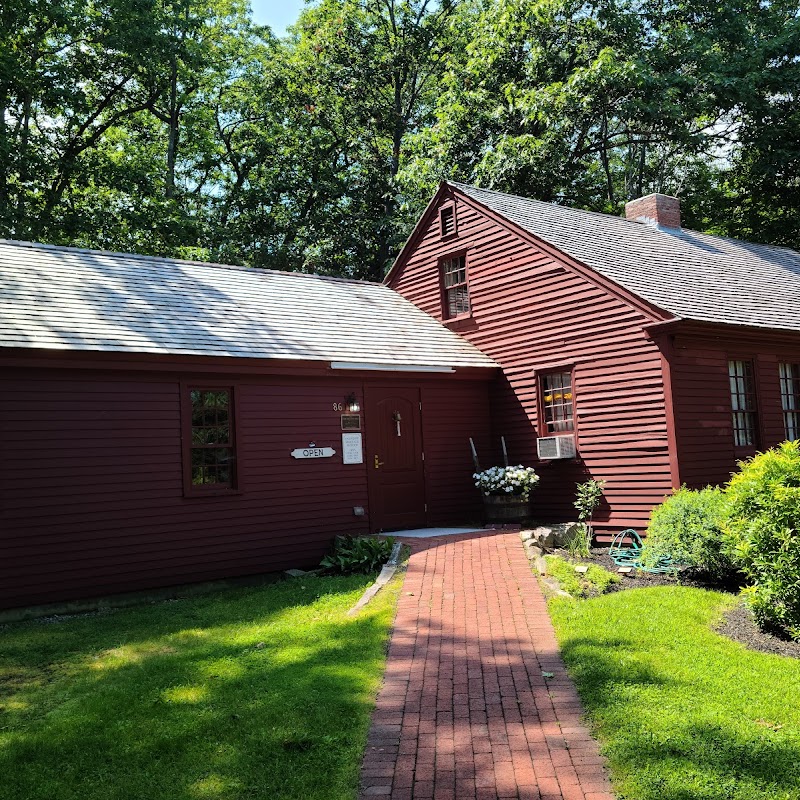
x: 723, y: 329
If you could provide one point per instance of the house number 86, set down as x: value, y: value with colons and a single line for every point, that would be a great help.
x: 338, y: 407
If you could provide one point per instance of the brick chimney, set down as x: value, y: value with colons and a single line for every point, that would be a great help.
x: 655, y: 209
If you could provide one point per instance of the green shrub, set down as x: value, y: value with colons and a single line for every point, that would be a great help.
x: 358, y: 554
x: 593, y: 582
x: 763, y: 527
x: 687, y: 528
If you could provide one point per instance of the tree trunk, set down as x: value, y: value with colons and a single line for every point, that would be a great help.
x: 21, y: 226
x: 173, y: 122
x: 4, y: 166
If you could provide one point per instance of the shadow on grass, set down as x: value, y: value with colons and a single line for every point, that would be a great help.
x: 665, y: 723
x: 249, y: 693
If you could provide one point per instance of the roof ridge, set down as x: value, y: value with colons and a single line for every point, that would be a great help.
x: 606, y: 216
x: 181, y: 261
x: 549, y: 203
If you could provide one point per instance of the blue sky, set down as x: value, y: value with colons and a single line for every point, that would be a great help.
x: 276, y: 13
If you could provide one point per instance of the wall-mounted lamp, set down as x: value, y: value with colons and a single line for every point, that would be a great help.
x: 351, y: 403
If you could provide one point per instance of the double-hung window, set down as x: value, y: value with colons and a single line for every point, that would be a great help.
x: 743, y: 403
x: 211, y: 446
x: 454, y: 282
x: 557, y: 405
x: 790, y: 399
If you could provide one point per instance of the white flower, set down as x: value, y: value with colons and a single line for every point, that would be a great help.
x: 517, y: 480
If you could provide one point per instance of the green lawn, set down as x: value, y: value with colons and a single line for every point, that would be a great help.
x: 593, y: 582
x: 682, y: 712
x: 248, y: 693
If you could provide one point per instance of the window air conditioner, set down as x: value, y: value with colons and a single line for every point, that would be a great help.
x: 549, y: 448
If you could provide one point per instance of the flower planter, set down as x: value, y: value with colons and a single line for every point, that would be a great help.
x: 505, y: 508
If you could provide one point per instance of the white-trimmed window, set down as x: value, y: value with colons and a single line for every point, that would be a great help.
x: 743, y: 403
x: 790, y: 399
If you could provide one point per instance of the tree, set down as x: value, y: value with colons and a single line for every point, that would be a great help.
x: 177, y: 127
x: 593, y: 104
x: 366, y: 72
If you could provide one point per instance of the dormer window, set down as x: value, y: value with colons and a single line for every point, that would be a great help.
x: 454, y: 282
x: 447, y: 220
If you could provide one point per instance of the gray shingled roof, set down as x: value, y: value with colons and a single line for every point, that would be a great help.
x: 690, y: 275
x: 70, y: 299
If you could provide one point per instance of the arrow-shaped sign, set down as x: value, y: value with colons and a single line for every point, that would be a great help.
x: 313, y: 452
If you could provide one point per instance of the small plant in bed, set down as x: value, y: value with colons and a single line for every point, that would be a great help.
x: 588, y: 496
x: 595, y: 581
x: 357, y: 554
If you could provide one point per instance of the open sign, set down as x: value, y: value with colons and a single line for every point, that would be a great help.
x: 313, y: 452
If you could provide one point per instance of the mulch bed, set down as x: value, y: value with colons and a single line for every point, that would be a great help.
x: 738, y: 624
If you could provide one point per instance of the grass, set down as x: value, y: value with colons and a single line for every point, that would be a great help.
x: 594, y: 581
x: 249, y: 693
x: 682, y: 712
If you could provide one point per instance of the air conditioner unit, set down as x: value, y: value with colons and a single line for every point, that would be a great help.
x: 550, y: 448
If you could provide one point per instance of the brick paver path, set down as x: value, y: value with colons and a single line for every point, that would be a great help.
x: 466, y: 710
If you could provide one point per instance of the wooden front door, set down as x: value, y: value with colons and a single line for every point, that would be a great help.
x: 394, y: 458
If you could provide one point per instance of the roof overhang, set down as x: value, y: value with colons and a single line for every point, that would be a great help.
x: 370, y: 367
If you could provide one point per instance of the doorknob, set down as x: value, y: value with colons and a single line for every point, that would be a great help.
x: 378, y: 464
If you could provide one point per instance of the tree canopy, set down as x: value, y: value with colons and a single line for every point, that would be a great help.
x: 181, y: 128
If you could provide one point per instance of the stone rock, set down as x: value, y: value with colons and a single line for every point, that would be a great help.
x: 574, y: 529
x: 541, y: 565
x: 544, y: 537
x: 526, y: 535
x: 295, y: 573
x: 565, y: 531
x: 554, y: 587
x: 532, y: 550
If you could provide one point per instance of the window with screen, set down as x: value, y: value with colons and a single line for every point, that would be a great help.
x: 557, y: 402
x: 743, y: 403
x: 447, y: 220
x: 211, y: 443
x: 456, y: 294
x: 790, y: 399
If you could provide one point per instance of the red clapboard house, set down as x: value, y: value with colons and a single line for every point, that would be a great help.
x: 632, y: 350
x: 166, y: 422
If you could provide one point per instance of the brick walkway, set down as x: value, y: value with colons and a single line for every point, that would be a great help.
x: 465, y: 710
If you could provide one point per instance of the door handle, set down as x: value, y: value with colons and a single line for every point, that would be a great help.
x: 378, y: 464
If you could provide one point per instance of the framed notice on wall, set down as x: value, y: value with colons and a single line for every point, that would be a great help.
x: 352, y: 449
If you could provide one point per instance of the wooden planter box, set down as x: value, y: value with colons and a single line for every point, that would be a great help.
x: 505, y: 508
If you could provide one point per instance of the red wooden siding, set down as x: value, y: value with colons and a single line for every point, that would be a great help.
x: 532, y: 311
x: 702, y: 396
x: 91, y: 478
